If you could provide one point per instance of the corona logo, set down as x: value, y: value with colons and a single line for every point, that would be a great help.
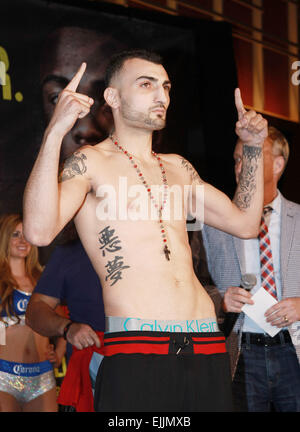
x: 22, y: 305
x: 20, y: 369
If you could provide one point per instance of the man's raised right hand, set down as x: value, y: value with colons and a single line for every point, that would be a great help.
x: 70, y: 106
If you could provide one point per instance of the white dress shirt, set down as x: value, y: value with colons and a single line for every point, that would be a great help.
x: 252, y: 258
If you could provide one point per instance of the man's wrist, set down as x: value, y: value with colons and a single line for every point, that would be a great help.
x: 66, y: 329
x: 223, y: 308
x: 52, y: 133
x: 254, y: 143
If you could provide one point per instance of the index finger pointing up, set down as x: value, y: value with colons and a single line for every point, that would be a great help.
x: 239, y: 103
x: 73, y: 84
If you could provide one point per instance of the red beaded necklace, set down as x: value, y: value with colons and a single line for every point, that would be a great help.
x: 148, y: 188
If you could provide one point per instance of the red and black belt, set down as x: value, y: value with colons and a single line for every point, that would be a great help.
x: 134, y: 342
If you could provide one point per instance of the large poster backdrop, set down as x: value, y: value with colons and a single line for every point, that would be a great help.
x: 43, y: 43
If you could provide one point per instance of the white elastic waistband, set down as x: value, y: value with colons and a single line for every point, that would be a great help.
x: 119, y: 324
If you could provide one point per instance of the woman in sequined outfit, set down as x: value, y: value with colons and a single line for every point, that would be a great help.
x: 27, y: 381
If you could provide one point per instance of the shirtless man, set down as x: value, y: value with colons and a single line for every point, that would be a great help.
x: 160, y: 320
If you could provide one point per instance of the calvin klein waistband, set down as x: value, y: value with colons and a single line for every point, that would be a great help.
x: 120, y: 324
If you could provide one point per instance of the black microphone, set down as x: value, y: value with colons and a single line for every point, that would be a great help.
x: 248, y: 281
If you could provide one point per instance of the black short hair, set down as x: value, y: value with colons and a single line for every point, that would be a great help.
x: 117, y: 61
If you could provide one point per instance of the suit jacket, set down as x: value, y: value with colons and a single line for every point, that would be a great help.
x: 226, y: 264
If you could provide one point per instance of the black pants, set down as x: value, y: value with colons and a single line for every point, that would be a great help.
x: 177, y: 381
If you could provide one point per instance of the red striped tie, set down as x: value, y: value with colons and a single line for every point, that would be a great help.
x: 266, y: 259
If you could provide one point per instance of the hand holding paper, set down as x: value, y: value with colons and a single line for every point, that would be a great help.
x: 285, y: 312
x: 262, y: 302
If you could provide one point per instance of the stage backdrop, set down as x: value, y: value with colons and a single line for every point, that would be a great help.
x: 42, y: 43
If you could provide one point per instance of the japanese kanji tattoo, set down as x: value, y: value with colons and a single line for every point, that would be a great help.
x: 114, y: 269
x: 110, y: 243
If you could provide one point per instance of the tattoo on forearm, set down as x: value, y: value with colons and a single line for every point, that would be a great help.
x: 195, y: 178
x: 73, y: 166
x: 247, y: 181
x: 109, y: 242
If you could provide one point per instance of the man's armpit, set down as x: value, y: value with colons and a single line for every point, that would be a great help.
x: 74, y: 165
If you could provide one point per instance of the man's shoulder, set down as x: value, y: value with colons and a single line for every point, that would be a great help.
x: 86, y: 161
x: 82, y: 153
x: 100, y: 150
x: 291, y: 206
x: 172, y: 158
x: 91, y: 152
x: 177, y: 161
x: 79, y: 165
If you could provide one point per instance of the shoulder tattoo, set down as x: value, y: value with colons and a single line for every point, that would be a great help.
x: 191, y: 170
x: 73, y: 166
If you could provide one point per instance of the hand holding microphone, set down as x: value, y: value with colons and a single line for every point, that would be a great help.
x: 234, y: 300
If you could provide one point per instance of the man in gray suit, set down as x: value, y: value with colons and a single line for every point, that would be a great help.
x: 266, y: 369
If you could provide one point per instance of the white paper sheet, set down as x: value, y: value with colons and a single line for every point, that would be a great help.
x: 262, y: 302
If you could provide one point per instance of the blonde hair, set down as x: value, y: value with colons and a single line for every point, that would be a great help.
x: 280, y: 145
x: 33, y: 268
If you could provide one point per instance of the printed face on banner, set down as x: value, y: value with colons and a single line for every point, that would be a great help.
x: 64, y: 51
x: 59, y: 37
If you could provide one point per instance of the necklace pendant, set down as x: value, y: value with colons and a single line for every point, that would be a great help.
x: 161, y: 207
x: 167, y: 253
